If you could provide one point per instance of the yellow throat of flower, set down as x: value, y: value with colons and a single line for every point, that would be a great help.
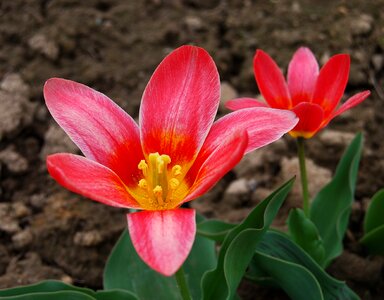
x: 161, y: 186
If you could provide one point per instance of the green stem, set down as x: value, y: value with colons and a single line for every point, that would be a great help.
x: 182, y: 283
x: 303, y: 175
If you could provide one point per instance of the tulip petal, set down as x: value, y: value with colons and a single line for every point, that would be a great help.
x: 310, y: 116
x: 331, y: 83
x: 270, y: 81
x: 241, y: 103
x: 351, y: 102
x: 303, y: 71
x: 179, y: 104
x: 264, y: 126
x: 90, y: 179
x: 215, y: 159
x: 99, y: 127
x: 163, y: 239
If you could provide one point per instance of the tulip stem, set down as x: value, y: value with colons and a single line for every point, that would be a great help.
x: 182, y: 283
x: 303, y: 174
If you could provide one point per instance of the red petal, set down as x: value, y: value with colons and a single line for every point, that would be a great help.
x: 270, y: 81
x: 101, y: 129
x: 215, y: 159
x: 331, y: 83
x: 241, y: 103
x: 311, y: 116
x: 163, y: 239
x: 264, y: 125
x: 303, y: 71
x: 90, y: 179
x: 351, y: 102
x: 179, y: 104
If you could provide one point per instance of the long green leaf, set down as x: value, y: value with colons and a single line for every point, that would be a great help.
x: 214, y: 229
x: 64, y: 295
x: 290, y: 267
x: 373, y: 237
x: 115, y: 295
x: 239, y: 246
x: 331, y: 207
x: 125, y: 270
x: 304, y: 233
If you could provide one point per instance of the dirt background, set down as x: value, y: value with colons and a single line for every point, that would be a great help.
x: 114, y: 46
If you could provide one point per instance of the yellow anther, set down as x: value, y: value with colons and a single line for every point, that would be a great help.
x: 143, y: 184
x: 143, y: 167
x: 176, y: 170
x: 158, y: 192
x: 173, y: 183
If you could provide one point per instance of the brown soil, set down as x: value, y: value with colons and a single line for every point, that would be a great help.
x: 114, y: 46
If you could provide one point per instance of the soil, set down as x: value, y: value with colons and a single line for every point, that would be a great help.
x: 113, y: 46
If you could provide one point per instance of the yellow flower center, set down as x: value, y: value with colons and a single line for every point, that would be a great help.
x: 159, y: 183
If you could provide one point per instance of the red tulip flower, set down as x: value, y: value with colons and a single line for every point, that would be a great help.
x: 175, y: 154
x: 314, y: 96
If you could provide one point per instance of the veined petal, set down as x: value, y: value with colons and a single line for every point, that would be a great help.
x: 264, y: 126
x: 351, y: 102
x: 303, y: 71
x: 214, y: 161
x: 99, y: 127
x: 179, y: 104
x: 270, y: 81
x: 163, y: 239
x: 331, y: 83
x: 90, y: 179
x: 241, y: 103
x: 311, y: 117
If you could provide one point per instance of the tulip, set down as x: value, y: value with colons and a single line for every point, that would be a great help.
x: 314, y: 96
x: 175, y: 154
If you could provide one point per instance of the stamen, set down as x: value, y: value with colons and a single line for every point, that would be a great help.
x: 143, y: 167
x: 143, y: 184
x: 173, y: 183
x: 158, y: 192
x: 176, y: 170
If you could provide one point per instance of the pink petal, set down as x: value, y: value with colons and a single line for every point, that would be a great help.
x: 303, y: 71
x: 101, y: 129
x: 90, y: 179
x: 311, y: 116
x: 270, y: 81
x: 351, y: 102
x: 215, y: 159
x: 179, y: 104
x: 331, y: 83
x: 264, y: 126
x: 241, y: 103
x: 163, y: 239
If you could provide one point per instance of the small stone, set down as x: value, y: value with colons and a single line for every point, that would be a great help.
x: 9, y: 225
x: 42, y: 44
x: 38, y: 200
x: 228, y: 92
x: 237, y: 192
x: 361, y: 24
x: 56, y: 140
x: 13, y: 160
x: 331, y: 137
x: 20, y: 210
x: 88, y: 238
x: 22, y: 238
x: 193, y: 23
x: 66, y: 279
x: 13, y: 83
x: 377, y: 62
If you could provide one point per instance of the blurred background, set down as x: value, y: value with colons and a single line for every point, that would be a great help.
x: 114, y: 46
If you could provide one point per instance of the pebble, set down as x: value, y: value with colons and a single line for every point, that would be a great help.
x: 13, y: 160
x: 237, y: 192
x: 22, y: 239
x: 336, y: 138
x: 88, y: 238
x: 377, y: 62
x: 43, y: 45
x: 361, y: 24
x: 228, y: 92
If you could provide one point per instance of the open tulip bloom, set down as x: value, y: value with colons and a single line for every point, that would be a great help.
x: 175, y: 154
x: 314, y: 96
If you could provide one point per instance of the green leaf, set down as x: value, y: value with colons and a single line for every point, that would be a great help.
x: 373, y: 237
x: 44, y: 287
x: 115, y: 295
x: 215, y: 230
x: 331, y: 207
x: 304, y: 233
x: 64, y: 295
x: 125, y: 270
x: 290, y: 267
x: 239, y: 246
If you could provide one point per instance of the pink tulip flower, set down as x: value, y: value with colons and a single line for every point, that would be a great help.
x: 314, y: 96
x: 175, y: 154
